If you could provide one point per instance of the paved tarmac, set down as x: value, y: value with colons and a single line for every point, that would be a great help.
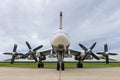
x: 51, y: 74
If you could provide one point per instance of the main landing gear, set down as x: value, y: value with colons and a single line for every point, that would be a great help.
x: 41, y: 64
x: 79, y: 65
x: 60, y: 66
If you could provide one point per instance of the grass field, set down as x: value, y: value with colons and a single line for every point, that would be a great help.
x: 67, y: 64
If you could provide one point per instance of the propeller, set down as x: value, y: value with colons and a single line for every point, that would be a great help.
x: 14, y: 53
x: 32, y: 52
x: 106, y: 53
x: 88, y: 52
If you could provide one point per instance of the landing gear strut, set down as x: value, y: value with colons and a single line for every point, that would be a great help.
x: 80, y: 64
x: 60, y: 66
x: 40, y: 64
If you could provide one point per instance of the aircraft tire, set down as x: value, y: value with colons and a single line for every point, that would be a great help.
x: 63, y: 67
x: 38, y: 65
x: 58, y: 66
x: 79, y: 65
x: 42, y: 65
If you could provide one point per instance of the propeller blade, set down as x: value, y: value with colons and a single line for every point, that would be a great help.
x: 101, y: 53
x: 96, y: 57
x: 28, y: 45
x: 105, y: 48
x: 102, y: 57
x: 15, y: 48
x: 19, y: 54
x: 93, y: 46
x: 38, y: 48
x: 7, y: 53
x: 83, y: 47
x: 112, y: 53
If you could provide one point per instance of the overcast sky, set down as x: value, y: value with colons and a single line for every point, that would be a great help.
x: 35, y: 21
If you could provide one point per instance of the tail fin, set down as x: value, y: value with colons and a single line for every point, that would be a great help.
x: 60, y: 20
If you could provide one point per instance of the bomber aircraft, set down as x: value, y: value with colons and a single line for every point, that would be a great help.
x: 60, y: 44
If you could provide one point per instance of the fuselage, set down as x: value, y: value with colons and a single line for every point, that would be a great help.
x: 60, y: 41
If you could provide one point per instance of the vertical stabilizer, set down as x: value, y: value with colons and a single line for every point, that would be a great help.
x: 60, y: 20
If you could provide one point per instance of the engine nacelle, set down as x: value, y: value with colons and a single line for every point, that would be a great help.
x: 37, y: 54
x: 77, y: 57
x: 43, y: 57
x: 30, y: 57
x: 40, y: 55
x: 89, y: 57
x: 82, y: 54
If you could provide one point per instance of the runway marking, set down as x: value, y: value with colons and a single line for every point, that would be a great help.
x: 59, y: 74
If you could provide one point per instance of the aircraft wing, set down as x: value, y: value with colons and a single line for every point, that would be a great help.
x: 47, y: 52
x: 102, y: 57
x: 7, y: 60
x: 73, y: 52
